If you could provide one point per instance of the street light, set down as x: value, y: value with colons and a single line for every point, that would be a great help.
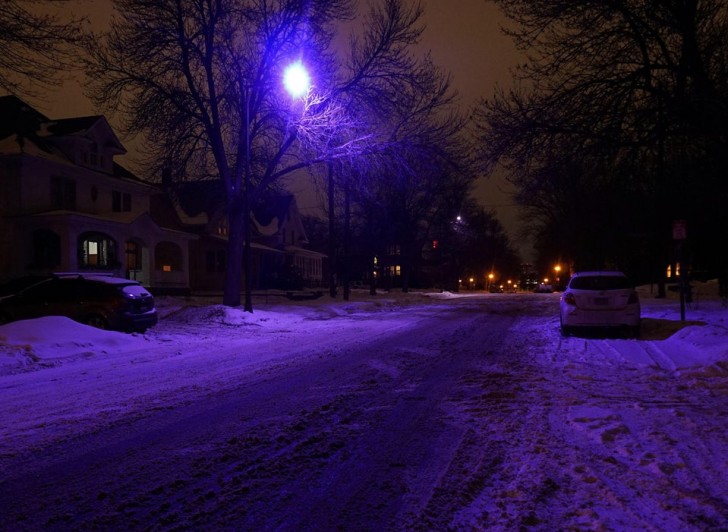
x: 297, y: 82
x: 557, y: 271
x: 296, y: 79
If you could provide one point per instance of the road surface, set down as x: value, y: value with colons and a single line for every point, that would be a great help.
x: 461, y: 419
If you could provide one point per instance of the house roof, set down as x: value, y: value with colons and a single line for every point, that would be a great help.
x: 196, y: 199
x: 24, y: 129
x: 84, y: 127
x: 19, y: 118
x: 272, y: 207
x: 72, y: 126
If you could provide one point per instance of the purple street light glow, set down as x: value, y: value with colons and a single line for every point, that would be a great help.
x: 296, y: 79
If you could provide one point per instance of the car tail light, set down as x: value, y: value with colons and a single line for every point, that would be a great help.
x: 633, y: 298
x: 569, y: 298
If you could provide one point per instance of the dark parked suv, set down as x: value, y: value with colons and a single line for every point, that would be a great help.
x: 98, y: 300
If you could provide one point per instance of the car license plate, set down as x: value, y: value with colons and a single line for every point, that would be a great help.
x: 601, y: 300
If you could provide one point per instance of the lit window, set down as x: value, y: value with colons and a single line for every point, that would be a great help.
x: 96, y: 250
x: 167, y: 257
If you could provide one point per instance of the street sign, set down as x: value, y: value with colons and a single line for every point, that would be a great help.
x: 679, y: 230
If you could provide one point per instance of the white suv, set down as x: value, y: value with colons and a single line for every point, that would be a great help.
x: 599, y: 299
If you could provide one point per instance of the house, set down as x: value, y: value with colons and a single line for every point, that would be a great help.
x: 277, y: 224
x: 66, y: 205
x: 279, y: 258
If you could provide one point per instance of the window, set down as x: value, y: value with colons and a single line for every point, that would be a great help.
x: 133, y: 253
x: 120, y: 201
x: 46, y: 249
x: 215, y: 261
x: 393, y: 249
x: 395, y: 271
x: 63, y: 193
x: 167, y: 257
x: 222, y: 227
x: 97, y: 250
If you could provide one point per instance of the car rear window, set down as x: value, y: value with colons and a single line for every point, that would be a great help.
x: 601, y: 282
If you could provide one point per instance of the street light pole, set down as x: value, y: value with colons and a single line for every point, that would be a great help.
x: 248, y: 307
x: 296, y: 81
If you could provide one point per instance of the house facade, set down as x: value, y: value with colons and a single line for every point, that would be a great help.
x: 65, y: 205
x: 279, y: 258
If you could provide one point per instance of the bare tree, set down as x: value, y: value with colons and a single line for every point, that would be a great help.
x: 618, y: 96
x: 34, y: 47
x: 421, y: 180
x: 421, y: 158
x: 201, y: 79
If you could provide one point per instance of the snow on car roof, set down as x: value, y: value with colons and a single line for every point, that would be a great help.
x: 603, y: 273
x: 97, y: 277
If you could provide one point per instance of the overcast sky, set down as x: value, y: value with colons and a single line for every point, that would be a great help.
x: 465, y: 39
x: 463, y: 36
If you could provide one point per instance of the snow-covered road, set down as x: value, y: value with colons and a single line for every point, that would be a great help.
x: 467, y: 413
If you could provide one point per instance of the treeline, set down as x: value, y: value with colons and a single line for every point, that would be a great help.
x: 617, y: 128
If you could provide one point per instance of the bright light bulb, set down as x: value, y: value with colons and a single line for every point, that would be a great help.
x: 296, y: 79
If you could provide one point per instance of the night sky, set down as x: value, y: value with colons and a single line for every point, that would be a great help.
x: 463, y: 37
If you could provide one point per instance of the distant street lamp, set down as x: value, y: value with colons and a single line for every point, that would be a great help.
x: 297, y: 82
x: 557, y: 271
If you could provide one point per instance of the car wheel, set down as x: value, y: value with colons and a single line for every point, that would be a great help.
x: 565, y: 331
x: 96, y: 320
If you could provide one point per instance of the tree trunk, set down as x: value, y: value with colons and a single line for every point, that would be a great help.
x: 347, y: 236
x: 236, y: 241
x: 332, y: 236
